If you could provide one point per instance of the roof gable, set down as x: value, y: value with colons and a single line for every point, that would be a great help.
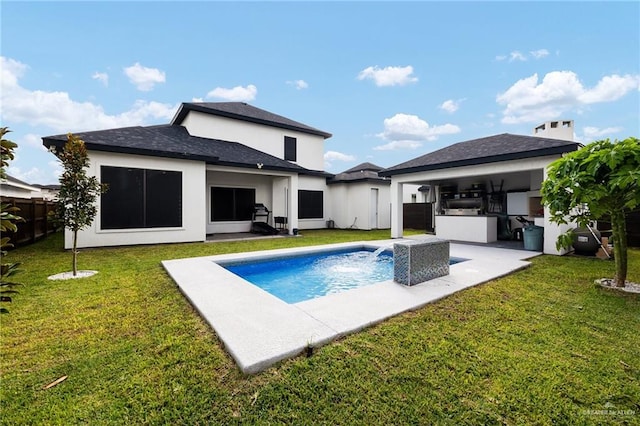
x: 245, y: 112
x: 489, y: 149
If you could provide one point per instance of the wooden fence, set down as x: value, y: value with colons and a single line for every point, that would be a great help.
x: 37, y: 224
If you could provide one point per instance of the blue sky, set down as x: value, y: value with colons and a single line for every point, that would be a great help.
x: 390, y: 80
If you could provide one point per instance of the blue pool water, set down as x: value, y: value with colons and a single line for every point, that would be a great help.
x: 299, y: 278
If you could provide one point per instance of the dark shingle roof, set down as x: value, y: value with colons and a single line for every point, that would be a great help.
x: 245, y: 112
x: 175, y: 142
x: 361, y: 172
x: 489, y: 149
x: 364, y: 166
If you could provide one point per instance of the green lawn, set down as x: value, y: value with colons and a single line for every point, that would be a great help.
x: 541, y: 346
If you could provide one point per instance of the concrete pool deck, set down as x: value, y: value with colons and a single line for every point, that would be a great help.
x: 258, y: 329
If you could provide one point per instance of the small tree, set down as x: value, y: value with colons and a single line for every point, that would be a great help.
x: 76, y: 205
x: 600, y: 179
x: 7, y: 224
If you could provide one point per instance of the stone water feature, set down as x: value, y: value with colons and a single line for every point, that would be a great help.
x: 419, y: 261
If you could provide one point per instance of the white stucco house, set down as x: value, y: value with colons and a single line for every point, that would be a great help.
x: 477, y: 182
x: 204, y: 172
x: 12, y: 187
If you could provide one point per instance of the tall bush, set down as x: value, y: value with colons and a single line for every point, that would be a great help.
x: 600, y: 179
x: 8, y: 222
x: 75, y: 207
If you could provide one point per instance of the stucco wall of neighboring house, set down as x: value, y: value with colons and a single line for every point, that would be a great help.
x: 193, y: 204
x: 410, y: 190
x: 16, y: 192
x: 310, y: 148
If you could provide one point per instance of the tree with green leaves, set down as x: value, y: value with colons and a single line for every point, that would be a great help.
x: 598, y: 180
x: 8, y: 222
x: 75, y: 207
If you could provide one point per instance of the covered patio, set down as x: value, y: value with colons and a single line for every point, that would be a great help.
x: 481, y: 186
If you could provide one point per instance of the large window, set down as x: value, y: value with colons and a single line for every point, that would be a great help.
x: 232, y: 204
x: 290, y: 148
x: 140, y: 198
x: 310, y: 205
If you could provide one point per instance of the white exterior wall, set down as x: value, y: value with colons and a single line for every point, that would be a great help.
x: 351, y: 205
x: 310, y: 148
x: 409, y: 190
x: 341, y: 208
x: 312, y: 183
x: 18, y: 192
x: 193, y: 204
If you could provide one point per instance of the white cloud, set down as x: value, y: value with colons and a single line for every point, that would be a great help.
x: 57, y: 111
x: 56, y: 169
x: 197, y: 100
x: 298, y: 84
x: 450, y: 105
x: 102, y: 77
x: 560, y: 91
x: 591, y: 133
x: 236, y: 94
x: 144, y: 78
x: 391, y: 146
x: 388, y: 76
x: 338, y: 156
x: 409, y: 131
x: 31, y: 176
x: 331, y: 156
x: 516, y: 56
x: 11, y: 71
x: 31, y: 140
x: 610, y: 88
x: 540, y: 53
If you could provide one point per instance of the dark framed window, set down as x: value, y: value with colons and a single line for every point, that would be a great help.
x: 140, y: 198
x: 290, y: 148
x: 310, y: 204
x: 232, y: 204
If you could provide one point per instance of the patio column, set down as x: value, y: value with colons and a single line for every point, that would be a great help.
x: 292, y: 202
x: 552, y: 230
x: 396, y: 209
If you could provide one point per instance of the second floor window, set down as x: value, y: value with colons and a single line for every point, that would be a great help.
x: 290, y: 148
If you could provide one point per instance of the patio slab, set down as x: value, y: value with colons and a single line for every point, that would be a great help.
x: 259, y: 330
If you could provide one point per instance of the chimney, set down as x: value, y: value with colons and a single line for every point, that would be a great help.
x: 555, y: 130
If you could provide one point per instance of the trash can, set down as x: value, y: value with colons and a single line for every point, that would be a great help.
x: 533, y: 237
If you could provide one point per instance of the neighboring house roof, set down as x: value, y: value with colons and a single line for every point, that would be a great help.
x: 360, y: 173
x: 489, y: 149
x: 175, y: 142
x: 245, y: 112
x: 12, y: 181
x: 50, y: 187
x: 13, y: 187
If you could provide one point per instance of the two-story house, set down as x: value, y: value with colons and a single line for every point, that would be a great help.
x: 203, y: 173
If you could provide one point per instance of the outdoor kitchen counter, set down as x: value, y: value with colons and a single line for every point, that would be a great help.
x: 475, y: 229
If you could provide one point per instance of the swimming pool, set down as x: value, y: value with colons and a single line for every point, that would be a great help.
x: 298, y: 278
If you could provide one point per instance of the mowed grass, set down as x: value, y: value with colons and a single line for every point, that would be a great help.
x: 541, y: 346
